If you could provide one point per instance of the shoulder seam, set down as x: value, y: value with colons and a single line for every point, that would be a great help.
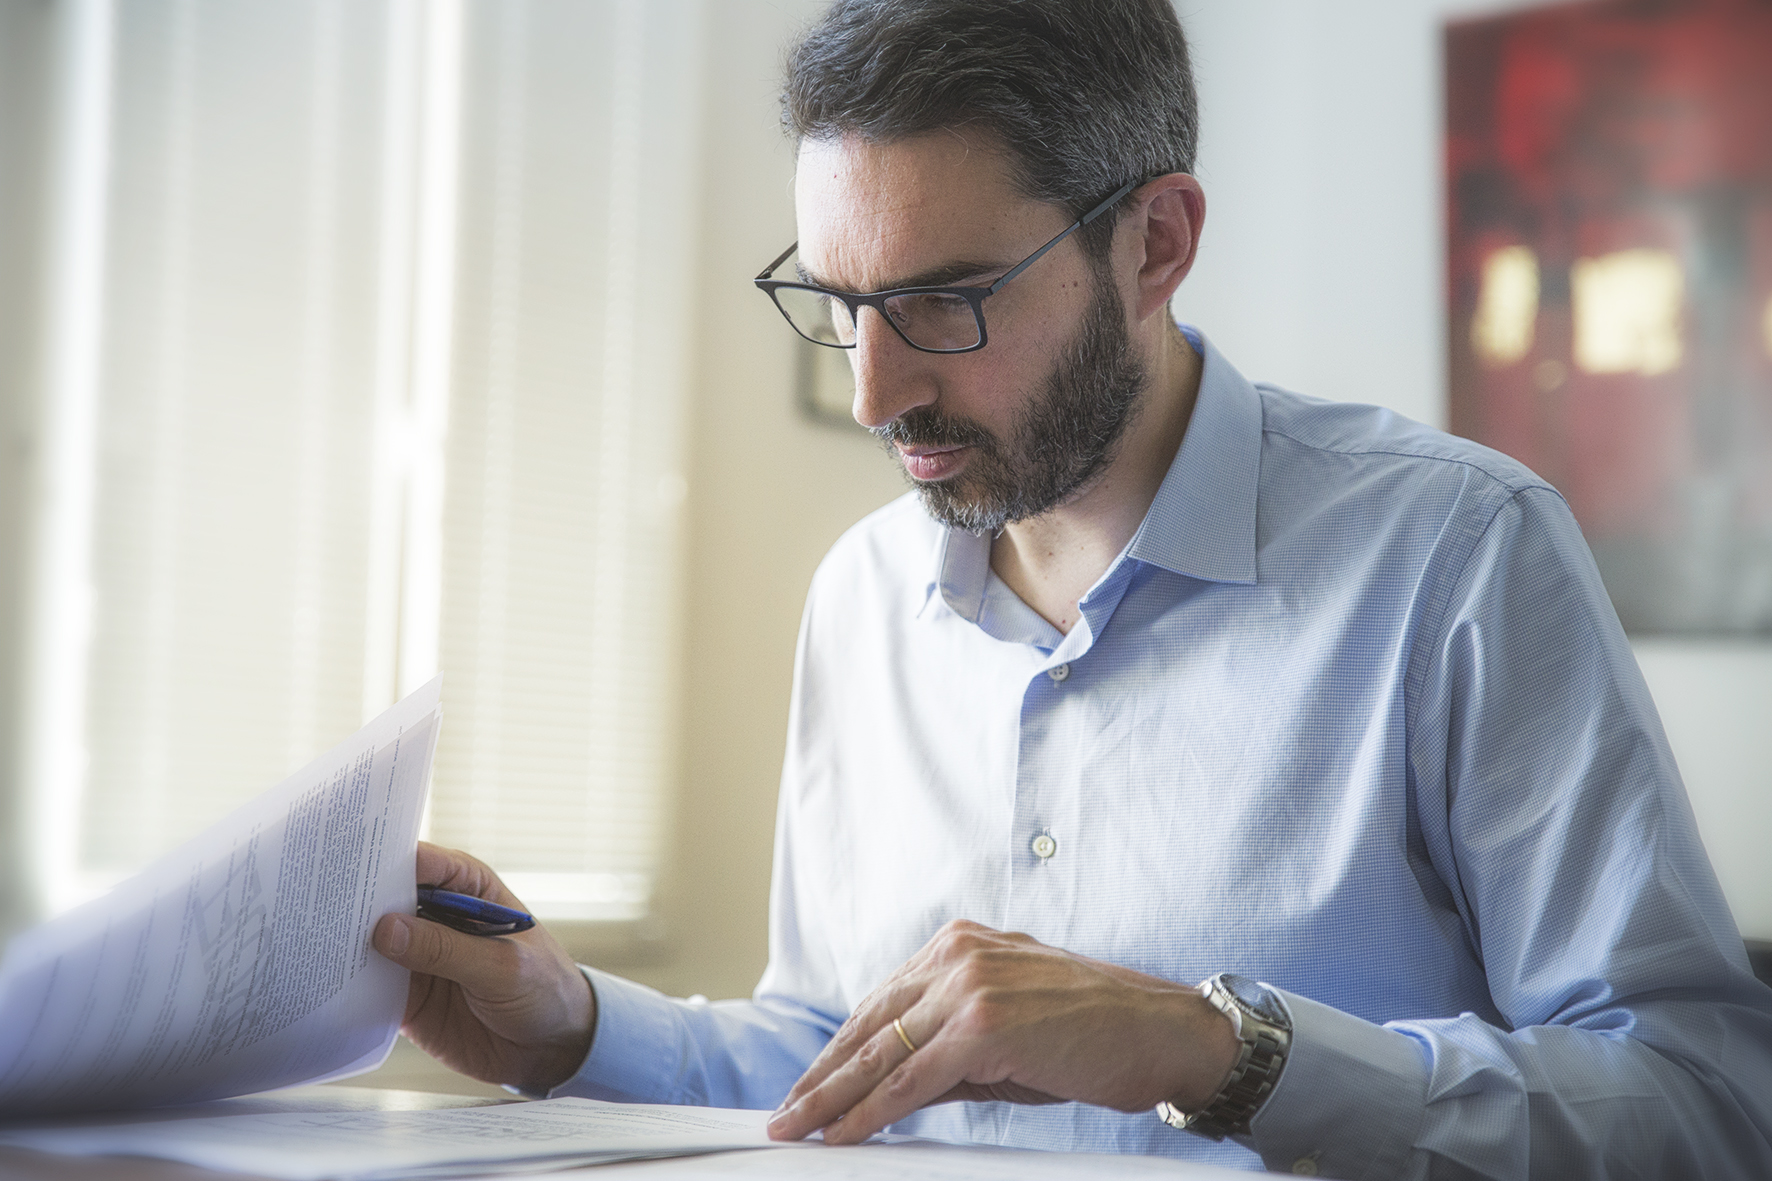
x: 1512, y: 485
x: 1263, y: 390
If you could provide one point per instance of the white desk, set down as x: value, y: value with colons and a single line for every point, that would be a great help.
x: 924, y: 1161
x: 25, y: 1165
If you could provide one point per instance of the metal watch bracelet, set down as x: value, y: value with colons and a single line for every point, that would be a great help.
x: 1266, y: 1038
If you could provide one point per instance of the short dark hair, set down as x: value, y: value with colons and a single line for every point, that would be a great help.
x: 1084, y: 95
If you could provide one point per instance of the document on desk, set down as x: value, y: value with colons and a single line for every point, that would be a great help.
x: 924, y: 1160
x: 417, y: 1145
x: 240, y: 961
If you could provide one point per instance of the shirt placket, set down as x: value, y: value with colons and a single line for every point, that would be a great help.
x: 1048, y: 864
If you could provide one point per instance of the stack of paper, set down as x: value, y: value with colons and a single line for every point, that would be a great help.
x: 411, y: 1145
x: 241, y: 961
x: 921, y: 1160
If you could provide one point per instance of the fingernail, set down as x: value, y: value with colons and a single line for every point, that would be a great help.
x: 399, y: 935
x: 780, y: 1116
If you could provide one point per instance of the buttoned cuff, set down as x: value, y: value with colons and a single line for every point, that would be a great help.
x: 1348, y: 1103
x: 637, y: 1050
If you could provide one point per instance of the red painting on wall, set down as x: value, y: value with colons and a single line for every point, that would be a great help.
x: 1609, y: 169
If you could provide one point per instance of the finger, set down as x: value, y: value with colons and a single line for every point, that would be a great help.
x: 881, y: 1084
x: 898, y: 993
x: 420, y: 989
x: 874, y: 1060
x: 846, y: 1082
x: 925, y: 1077
x: 907, y: 986
x: 485, y: 967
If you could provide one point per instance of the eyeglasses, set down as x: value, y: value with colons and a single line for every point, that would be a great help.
x: 933, y: 319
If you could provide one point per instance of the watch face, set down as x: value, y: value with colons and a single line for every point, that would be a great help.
x: 1257, y: 999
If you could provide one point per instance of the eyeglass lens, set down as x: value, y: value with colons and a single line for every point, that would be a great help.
x: 930, y: 320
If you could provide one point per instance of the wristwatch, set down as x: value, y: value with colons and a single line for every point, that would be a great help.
x: 1263, y: 1026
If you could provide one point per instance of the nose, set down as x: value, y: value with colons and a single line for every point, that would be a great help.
x: 891, y: 377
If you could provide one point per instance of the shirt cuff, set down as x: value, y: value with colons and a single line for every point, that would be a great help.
x: 1349, y: 1101
x: 636, y: 1050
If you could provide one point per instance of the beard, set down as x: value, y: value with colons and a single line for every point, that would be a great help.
x: 1059, y: 442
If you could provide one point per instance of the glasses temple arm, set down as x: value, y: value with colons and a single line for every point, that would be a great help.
x: 770, y: 269
x: 1031, y: 259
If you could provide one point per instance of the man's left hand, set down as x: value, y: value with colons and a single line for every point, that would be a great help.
x: 1002, y: 1016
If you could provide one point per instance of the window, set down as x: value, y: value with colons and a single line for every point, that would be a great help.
x: 562, y: 553
x: 366, y: 360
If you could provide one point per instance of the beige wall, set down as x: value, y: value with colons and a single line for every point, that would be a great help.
x: 769, y: 493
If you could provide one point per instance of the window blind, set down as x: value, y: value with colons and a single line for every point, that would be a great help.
x: 390, y: 378
x: 233, y: 442
x: 562, y: 531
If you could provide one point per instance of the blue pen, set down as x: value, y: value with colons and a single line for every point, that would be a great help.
x: 464, y: 912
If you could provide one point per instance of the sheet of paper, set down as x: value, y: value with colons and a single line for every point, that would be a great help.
x: 385, y: 1145
x: 921, y: 1159
x: 240, y: 961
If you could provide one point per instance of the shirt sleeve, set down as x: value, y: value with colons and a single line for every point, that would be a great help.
x: 1638, y: 1042
x: 651, y: 1048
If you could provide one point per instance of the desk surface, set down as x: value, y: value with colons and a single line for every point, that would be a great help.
x: 26, y: 1165
x: 925, y: 1161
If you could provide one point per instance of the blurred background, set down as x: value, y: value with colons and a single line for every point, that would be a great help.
x: 344, y: 342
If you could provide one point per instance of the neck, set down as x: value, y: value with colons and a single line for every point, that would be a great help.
x: 1052, y: 560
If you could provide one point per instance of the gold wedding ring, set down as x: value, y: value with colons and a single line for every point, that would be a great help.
x: 903, y: 1036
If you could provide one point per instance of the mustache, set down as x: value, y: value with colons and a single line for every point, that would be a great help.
x: 926, y: 426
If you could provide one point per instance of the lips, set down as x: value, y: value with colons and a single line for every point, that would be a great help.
x: 932, y: 463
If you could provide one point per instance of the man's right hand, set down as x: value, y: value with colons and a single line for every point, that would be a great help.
x: 513, y: 1009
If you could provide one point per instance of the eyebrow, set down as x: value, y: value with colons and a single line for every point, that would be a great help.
x: 945, y: 275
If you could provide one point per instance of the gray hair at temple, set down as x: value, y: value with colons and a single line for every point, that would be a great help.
x: 1084, y: 95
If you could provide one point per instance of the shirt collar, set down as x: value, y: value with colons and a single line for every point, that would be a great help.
x: 1202, y: 522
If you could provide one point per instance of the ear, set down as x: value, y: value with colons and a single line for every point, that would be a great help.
x: 1166, y: 218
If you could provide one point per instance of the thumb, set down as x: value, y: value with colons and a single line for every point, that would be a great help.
x: 480, y: 965
x: 392, y: 937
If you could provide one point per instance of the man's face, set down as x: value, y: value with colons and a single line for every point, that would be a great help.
x: 1005, y: 433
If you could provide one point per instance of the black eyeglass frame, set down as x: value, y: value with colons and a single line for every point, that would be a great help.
x: 974, y: 296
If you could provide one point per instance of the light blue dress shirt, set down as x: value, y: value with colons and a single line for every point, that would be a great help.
x: 1351, y: 715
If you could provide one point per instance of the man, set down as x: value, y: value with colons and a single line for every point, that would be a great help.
x: 1173, y: 676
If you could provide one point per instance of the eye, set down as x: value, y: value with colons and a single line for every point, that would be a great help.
x: 937, y: 320
x: 939, y: 303
x: 928, y: 307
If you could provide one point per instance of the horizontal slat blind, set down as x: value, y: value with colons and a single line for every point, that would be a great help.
x: 561, y: 525
x: 259, y: 445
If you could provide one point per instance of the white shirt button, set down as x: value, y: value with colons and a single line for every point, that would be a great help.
x: 1059, y: 672
x: 1045, y: 845
x: 1305, y: 1166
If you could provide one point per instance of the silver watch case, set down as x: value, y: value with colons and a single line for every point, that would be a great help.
x: 1263, y: 1027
